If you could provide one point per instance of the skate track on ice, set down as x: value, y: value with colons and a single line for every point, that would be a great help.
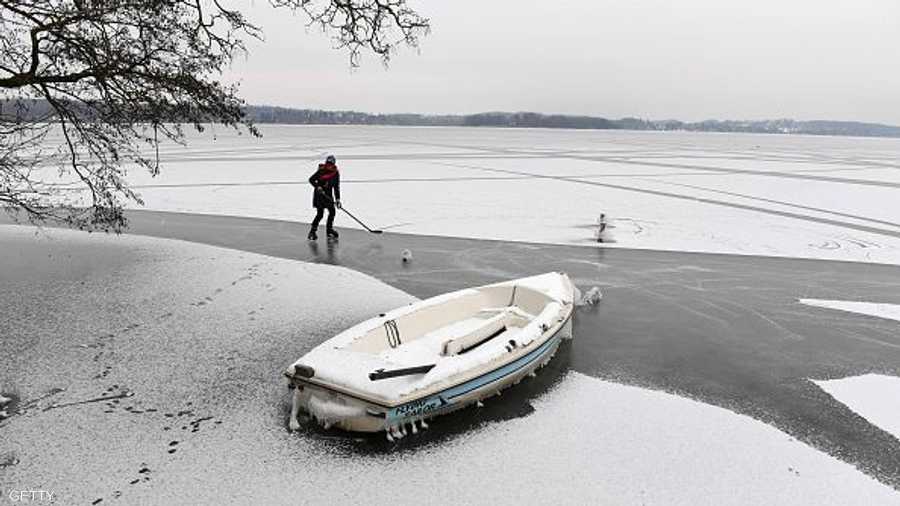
x: 794, y: 196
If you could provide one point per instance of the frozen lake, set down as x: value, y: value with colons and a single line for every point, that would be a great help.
x: 796, y: 196
x: 148, y: 371
x: 717, y: 331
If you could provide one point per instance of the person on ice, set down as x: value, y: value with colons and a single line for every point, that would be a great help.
x: 327, y: 195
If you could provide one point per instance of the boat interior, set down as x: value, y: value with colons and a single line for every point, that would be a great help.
x: 455, y: 326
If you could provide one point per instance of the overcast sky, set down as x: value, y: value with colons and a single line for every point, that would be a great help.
x: 684, y: 59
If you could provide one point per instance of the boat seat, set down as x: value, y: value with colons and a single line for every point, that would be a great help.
x: 513, y: 310
x: 491, y: 327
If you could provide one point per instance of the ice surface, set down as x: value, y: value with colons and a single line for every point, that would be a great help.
x: 881, y: 310
x: 797, y: 196
x: 875, y: 397
x: 587, y: 442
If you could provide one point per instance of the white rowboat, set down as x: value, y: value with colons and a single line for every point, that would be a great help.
x: 434, y: 356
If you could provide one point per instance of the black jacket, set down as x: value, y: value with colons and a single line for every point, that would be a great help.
x: 329, y: 179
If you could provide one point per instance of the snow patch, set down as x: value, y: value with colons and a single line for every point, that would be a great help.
x: 588, y: 441
x: 875, y: 397
x: 881, y: 310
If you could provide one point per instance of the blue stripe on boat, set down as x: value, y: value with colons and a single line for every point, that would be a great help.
x: 445, y: 397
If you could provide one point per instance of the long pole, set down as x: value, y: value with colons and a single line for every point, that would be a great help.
x: 372, y: 231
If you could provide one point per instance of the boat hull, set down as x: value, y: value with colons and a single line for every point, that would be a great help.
x: 363, y: 415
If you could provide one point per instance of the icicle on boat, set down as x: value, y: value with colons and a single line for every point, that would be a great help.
x: 434, y: 356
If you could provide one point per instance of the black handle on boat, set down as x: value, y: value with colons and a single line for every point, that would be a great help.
x: 381, y: 374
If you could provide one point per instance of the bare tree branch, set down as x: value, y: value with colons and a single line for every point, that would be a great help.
x: 88, y: 84
x: 379, y: 26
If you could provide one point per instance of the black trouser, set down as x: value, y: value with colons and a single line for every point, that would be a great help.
x: 329, y: 223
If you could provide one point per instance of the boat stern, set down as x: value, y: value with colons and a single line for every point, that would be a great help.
x: 331, y: 408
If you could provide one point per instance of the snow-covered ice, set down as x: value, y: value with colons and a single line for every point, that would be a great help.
x: 207, y: 346
x: 196, y: 334
x: 881, y: 310
x: 795, y: 196
x: 875, y: 397
x: 588, y: 442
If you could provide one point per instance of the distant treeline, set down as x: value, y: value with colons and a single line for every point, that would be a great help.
x: 39, y: 110
x: 269, y: 114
